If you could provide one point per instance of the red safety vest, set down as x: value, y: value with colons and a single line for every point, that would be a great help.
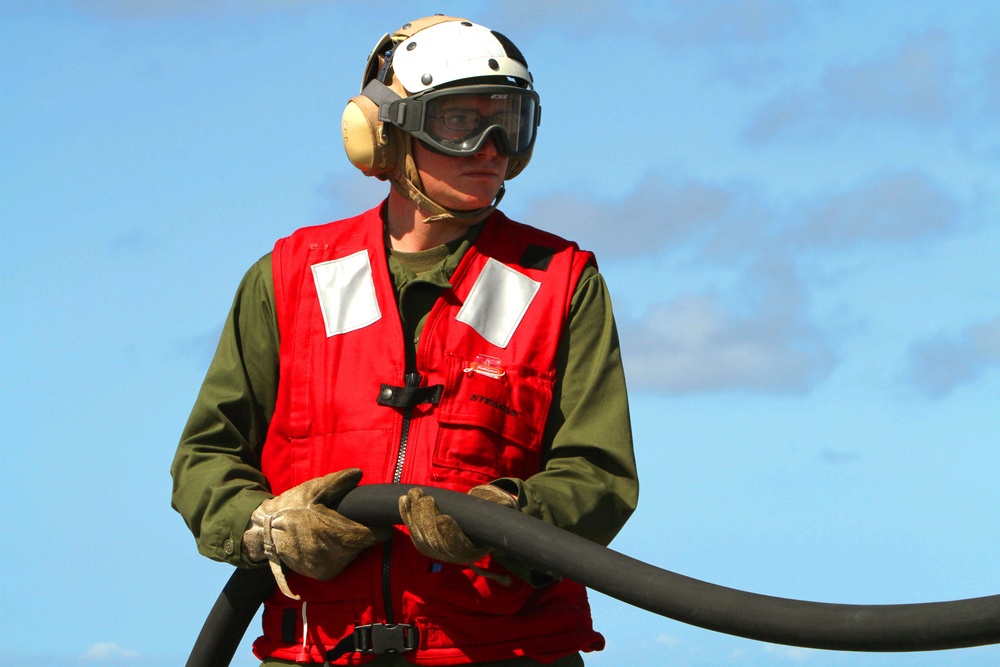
x: 486, y: 360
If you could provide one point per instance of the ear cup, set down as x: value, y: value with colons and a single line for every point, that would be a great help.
x: 364, y: 140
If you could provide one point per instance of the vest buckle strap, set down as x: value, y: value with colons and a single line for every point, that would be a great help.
x: 380, y: 638
x: 376, y: 638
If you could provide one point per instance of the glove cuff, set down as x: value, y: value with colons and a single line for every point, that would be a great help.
x: 494, y: 494
x: 258, y: 545
x: 255, y: 536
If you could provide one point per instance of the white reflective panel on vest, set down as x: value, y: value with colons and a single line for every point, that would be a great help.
x: 346, y: 293
x: 497, y: 302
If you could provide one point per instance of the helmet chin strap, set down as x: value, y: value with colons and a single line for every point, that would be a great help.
x: 408, y: 181
x: 439, y: 212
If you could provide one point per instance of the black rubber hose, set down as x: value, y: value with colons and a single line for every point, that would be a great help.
x: 229, y: 618
x: 873, y: 628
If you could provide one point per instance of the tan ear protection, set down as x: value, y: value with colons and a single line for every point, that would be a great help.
x: 367, y: 141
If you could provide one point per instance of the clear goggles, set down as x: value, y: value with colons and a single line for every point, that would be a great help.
x: 458, y: 121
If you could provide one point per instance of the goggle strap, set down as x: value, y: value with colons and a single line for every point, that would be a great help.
x: 382, y: 95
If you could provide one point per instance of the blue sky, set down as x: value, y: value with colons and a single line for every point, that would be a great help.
x: 794, y: 204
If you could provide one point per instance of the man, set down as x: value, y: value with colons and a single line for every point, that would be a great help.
x: 429, y: 341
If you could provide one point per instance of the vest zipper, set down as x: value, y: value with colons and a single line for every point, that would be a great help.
x: 412, y: 380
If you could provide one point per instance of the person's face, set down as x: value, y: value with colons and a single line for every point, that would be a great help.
x: 462, y: 183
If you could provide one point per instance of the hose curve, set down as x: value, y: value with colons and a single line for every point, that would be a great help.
x: 871, y: 628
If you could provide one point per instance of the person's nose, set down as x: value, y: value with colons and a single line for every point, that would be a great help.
x: 489, y: 149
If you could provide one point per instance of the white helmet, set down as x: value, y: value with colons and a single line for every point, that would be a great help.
x: 457, y: 51
x: 408, y: 77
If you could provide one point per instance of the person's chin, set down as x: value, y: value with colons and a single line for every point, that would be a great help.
x: 481, y: 198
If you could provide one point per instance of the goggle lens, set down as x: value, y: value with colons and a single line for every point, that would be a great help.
x: 459, y: 121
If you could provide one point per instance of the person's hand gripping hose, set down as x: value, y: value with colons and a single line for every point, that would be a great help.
x: 297, y: 529
x: 438, y: 535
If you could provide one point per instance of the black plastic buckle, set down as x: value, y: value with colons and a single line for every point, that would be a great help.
x: 380, y: 638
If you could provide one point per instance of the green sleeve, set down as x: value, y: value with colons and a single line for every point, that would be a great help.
x: 588, y: 484
x: 217, y: 481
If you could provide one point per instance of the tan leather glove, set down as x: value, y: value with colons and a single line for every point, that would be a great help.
x: 437, y: 535
x: 299, y: 530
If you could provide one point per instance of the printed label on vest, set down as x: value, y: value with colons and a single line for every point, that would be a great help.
x: 497, y: 302
x: 346, y: 292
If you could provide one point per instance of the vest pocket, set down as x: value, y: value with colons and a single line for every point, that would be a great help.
x: 492, y: 419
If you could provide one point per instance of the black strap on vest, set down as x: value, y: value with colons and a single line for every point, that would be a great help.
x: 410, y: 395
x: 376, y: 638
x: 288, y: 619
x: 537, y: 257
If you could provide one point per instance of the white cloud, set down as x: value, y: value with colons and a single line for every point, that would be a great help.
x: 161, y: 9
x: 350, y: 193
x: 938, y: 365
x: 702, y: 341
x: 654, y: 215
x: 917, y: 84
x: 695, y: 345
x: 991, y: 81
x: 766, y: 343
x: 698, y: 344
x: 108, y: 651
x: 793, y: 115
x: 789, y: 652
x: 576, y: 17
x: 728, y: 22
x: 200, y: 348
x: 839, y: 457
x: 669, y: 641
x: 893, y: 207
x: 679, y: 24
x: 732, y: 225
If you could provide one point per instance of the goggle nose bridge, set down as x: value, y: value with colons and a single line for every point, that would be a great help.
x: 495, y: 131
